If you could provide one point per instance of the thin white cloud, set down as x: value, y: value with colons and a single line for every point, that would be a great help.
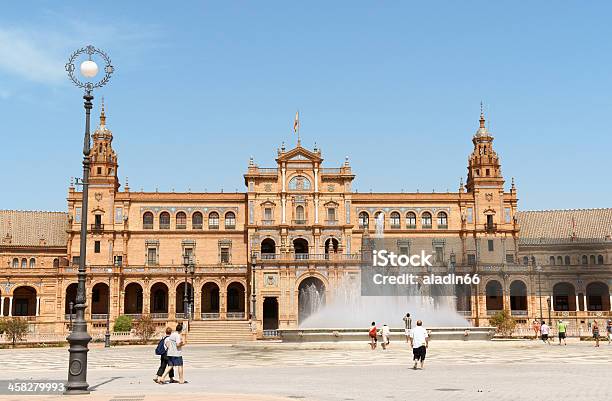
x: 30, y: 57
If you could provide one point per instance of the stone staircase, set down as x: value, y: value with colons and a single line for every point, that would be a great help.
x: 219, y: 332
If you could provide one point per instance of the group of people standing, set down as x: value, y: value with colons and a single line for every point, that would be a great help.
x: 545, y: 331
x: 417, y: 337
x: 170, y: 350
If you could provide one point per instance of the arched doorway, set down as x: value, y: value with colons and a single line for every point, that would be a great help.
x: 132, y: 302
x: 518, y: 297
x: 300, y: 248
x: 210, y: 301
x: 25, y: 302
x: 598, y: 297
x: 159, y: 299
x: 71, y: 293
x: 270, y: 313
x: 180, y: 298
x: 235, y: 301
x: 564, y: 297
x: 311, y: 297
x: 100, y: 301
x: 268, y: 248
x: 495, y: 297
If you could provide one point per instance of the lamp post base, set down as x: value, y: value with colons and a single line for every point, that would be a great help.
x: 77, y: 364
x: 107, y: 342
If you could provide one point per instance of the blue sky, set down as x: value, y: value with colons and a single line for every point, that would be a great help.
x: 199, y: 87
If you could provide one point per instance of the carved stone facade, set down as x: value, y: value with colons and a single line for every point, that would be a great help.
x: 297, y: 222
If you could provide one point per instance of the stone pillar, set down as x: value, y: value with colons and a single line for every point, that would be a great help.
x: 316, y: 207
x: 10, y: 306
x: 197, y: 302
x: 146, y: 301
x: 223, y: 303
x: 283, y: 204
x: 37, y: 306
x: 578, y: 303
x: 172, y: 303
x: 2, y: 306
x: 586, y: 306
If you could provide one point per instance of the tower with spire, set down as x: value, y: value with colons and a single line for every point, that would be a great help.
x: 484, y: 168
x: 103, y: 158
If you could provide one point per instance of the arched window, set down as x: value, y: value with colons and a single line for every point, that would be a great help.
x: 364, y: 220
x: 551, y: 260
x: 426, y: 220
x: 567, y: 260
x: 525, y: 260
x: 15, y: 263
x: 411, y: 220
x: 395, y: 220
x: 181, y: 221
x: 442, y: 220
x: 559, y: 260
x: 56, y: 262
x: 230, y: 221
x: 24, y: 263
x: 164, y: 221
x: 300, y: 217
x: 196, y: 221
x: 299, y: 183
x: 213, y: 221
x: 592, y: 260
x: 32, y: 263
x: 147, y: 221
x: 585, y: 260
x: 600, y: 259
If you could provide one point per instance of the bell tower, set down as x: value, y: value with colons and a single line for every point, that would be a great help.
x: 484, y: 169
x: 103, y: 158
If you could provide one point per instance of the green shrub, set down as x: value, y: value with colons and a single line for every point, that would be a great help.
x: 15, y: 329
x: 504, y: 322
x: 123, y: 323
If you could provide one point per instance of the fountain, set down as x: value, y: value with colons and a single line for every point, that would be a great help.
x: 346, y: 316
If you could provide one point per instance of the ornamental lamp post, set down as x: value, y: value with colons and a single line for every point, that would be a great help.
x: 188, y: 265
x: 253, y: 288
x: 79, y: 338
x: 71, y: 305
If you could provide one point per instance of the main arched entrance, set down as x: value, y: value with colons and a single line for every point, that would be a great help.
x: 235, y: 301
x: 159, y: 300
x: 495, y: 298
x: 311, y: 297
x: 564, y: 297
x: 210, y: 301
x: 24, y: 301
x: 598, y: 297
x: 132, y: 303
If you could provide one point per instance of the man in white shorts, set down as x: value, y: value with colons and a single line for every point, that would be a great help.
x: 407, y: 326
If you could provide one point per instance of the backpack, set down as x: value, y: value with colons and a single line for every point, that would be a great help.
x: 161, y: 349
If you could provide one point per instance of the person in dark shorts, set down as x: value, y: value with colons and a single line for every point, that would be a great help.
x: 373, y: 334
x: 562, y: 330
x: 545, y: 332
x: 164, y: 361
x: 419, y: 339
x: 595, y: 329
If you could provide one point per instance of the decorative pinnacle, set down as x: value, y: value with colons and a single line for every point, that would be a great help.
x: 482, y: 118
x: 102, y: 115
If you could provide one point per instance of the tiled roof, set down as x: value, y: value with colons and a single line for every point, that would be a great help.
x: 559, y: 226
x: 33, y: 228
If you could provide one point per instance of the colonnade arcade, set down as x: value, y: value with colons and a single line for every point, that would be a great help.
x: 162, y: 300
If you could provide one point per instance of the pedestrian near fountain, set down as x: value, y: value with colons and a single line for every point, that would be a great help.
x: 545, y: 331
x: 609, y: 330
x: 536, y: 329
x: 595, y: 329
x: 562, y: 330
x: 419, y: 340
x: 373, y: 333
x: 407, y: 326
x: 386, y: 334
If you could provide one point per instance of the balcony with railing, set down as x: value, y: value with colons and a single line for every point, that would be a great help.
x: 267, y: 222
x: 210, y: 316
x: 213, y: 226
x: 331, y: 222
x: 490, y: 227
x: 99, y: 316
x: 159, y: 316
x: 519, y: 312
x: 299, y: 222
x: 287, y: 257
x: 96, y: 228
x: 147, y: 226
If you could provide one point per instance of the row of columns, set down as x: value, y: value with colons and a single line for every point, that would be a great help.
x: 10, y: 308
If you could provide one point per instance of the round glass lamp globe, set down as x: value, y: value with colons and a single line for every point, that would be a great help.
x: 89, y: 69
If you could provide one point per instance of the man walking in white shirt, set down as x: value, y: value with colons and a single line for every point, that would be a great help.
x: 419, y: 340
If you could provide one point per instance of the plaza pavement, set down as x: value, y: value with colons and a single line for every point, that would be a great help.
x: 454, y: 370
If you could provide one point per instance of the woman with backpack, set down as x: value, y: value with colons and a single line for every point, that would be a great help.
x: 161, y: 350
x: 174, y: 344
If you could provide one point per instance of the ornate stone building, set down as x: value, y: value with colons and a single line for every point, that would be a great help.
x: 298, y: 224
